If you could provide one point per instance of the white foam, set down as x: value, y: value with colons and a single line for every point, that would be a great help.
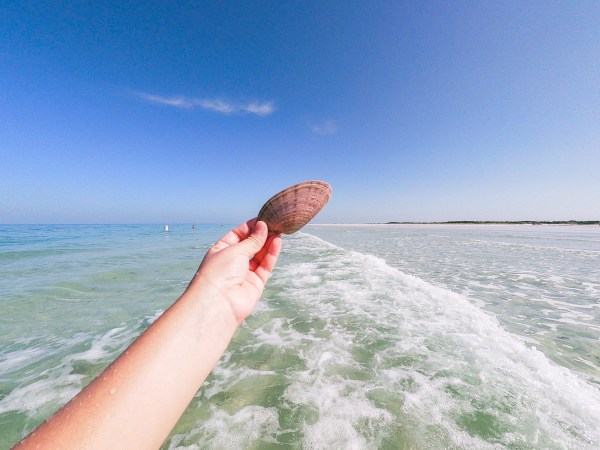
x: 446, y: 334
x: 18, y: 359
x: 50, y: 389
x: 224, y: 431
x: 540, y: 248
x: 346, y: 417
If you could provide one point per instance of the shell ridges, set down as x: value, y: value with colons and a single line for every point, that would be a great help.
x: 289, y: 210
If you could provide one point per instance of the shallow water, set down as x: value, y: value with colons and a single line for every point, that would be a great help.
x: 366, y: 337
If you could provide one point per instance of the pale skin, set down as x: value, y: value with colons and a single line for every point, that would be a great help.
x: 136, y: 401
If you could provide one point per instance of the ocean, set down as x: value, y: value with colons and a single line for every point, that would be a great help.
x: 390, y: 336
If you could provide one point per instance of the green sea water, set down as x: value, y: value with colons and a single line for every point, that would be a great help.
x: 366, y: 337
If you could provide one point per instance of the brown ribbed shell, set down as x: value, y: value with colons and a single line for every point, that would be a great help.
x: 292, y: 208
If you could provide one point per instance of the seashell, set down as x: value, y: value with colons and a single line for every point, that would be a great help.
x: 292, y: 208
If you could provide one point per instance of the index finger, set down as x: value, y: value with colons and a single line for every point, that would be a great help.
x: 239, y: 233
x: 263, y: 266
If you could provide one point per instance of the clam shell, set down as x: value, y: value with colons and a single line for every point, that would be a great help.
x: 292, y: 208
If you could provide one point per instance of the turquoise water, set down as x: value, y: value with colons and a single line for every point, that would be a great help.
x: 366, y: 336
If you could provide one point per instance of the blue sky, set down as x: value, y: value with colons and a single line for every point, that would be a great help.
x: 126, y: 112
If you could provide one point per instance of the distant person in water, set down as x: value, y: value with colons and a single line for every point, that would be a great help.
x: 136, y: 401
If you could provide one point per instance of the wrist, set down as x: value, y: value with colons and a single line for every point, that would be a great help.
x: 210, y: 305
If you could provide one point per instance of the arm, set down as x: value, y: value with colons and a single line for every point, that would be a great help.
x: 136, y: 401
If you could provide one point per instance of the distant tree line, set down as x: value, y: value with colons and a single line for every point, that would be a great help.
x: 504, y: 222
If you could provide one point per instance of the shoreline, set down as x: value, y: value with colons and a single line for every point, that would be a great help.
x: 501, y: 222
x: 466, y: 224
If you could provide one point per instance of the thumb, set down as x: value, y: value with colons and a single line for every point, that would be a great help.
x: 253, y: 243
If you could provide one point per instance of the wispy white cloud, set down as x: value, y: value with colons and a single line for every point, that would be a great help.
x: 328, y: 126
x: 179, y: 102
x: 260, y: 109
x: 215, y: 105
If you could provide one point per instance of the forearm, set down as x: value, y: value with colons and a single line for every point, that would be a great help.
x: 138, y: 399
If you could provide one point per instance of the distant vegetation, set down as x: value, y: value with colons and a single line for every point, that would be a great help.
x: 506, y: 222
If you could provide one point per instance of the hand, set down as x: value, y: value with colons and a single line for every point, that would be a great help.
x: 240, y: 264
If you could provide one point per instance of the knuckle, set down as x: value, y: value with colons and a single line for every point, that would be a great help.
x: 252, y: 238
